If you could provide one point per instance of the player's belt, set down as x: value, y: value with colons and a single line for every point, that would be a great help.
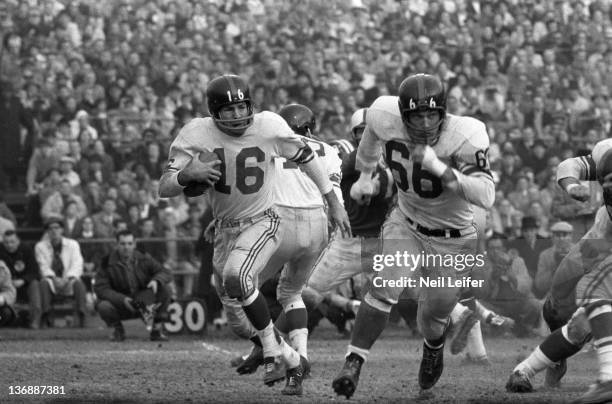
x: 251, y: 219
x: 446, y: 233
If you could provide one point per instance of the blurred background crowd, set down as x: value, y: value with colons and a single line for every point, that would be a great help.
x: 92, y: 93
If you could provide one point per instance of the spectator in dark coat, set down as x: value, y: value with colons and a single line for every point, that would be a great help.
x: 125, y: 275
x: 530, y: 245
x: 25, y: 273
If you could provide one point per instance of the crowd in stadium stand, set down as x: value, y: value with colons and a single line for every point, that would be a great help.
x: 92, y: 93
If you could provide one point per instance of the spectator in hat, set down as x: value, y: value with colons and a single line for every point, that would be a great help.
x: 551, y: 257
x: 530, y: 245
x: 44, y: 158
x: 66, y: 169
x: 61, y: 267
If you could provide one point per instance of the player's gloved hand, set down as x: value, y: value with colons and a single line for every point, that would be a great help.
x: 426, y: 155
x: 579, y: 192
x: 198, y: 171
x: 363, y: 190
x: 127, y: 302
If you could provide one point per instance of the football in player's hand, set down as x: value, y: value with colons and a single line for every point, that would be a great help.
x: 195, y: 188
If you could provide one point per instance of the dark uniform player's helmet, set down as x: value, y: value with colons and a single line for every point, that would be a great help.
x: 422, y: 92
x: 225, y: 90
x: 300, y: 118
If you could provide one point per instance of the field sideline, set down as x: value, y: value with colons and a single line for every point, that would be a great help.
x: 189, y: 369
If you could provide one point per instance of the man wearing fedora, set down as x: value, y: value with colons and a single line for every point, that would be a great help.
x: 61, y: 267
x: 551, y: 257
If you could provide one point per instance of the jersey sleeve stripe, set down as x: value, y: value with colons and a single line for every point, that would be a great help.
x: 473, y: 170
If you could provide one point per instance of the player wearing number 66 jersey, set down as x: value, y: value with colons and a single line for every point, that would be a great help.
x: 440, y: 166
x: 242, y: 195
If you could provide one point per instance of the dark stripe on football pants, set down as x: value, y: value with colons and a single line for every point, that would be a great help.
x: 256, y: 249
x: 595, y: 282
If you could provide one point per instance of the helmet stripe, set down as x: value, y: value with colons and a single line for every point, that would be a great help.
x: 420, y: 88
x: 232, y: 86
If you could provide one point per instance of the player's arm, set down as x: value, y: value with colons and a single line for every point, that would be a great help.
x: 571, y: 171
x: 472, y: 178
x: 295, y: 149
x: 184, y: 166
x: 333, y: 166
x: 368, y: 155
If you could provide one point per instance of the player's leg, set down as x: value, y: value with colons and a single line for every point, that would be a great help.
x: 374, y: 310
x: 436, y: 302
x: 594, y: 291
x: 561, y: 344
x: 253, y: 245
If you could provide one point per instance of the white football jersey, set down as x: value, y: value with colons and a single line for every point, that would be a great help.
x: 246, y: 187
x: 295, y: 189
x: 463, y: 145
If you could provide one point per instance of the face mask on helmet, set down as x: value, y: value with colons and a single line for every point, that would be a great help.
x: 234, y: 118
x: 229, y: 104
x: 422, y: 104
x: 423, y: 125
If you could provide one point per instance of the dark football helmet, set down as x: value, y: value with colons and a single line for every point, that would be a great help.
x: 300, y: 118
x: 225, y: 90
x: 422, y: 92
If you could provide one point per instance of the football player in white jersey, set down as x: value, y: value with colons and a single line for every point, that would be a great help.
x: 241, y: 196
x: 440, y: 166
x: 303, y: 235
x: 568, y: 322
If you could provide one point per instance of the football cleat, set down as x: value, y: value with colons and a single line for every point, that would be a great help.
x: 554, y: 374
x: 345, y: 383
x: 253, y: 361
x: 600, y: 392
x: 432, y: 365
x: 459, y: 341
x: 519, y: 383
x: 293, y: 387
x: 274, y: 370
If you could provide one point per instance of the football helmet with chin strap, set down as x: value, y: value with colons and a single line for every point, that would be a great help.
x: 226, y: 90
x: 300, y: 118
x: 422, y: 92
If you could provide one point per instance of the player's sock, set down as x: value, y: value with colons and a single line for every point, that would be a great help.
x: 281, y: 323
x: 475, y: 345
x: 435, y: 343
x: 298, y: 339
x: 600, y: 319
x: 482, y: 312
x: 557, y: 347
x: 457, y: 312
x: 256, y: 310
x: 370, y: 322
x: 360, y: 352
x: 536, y: 362
x: 469, y: 302
x: 256, y: 341
x: 290, y: 355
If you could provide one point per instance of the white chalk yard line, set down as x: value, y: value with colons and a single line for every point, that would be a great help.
x: 214, y: 348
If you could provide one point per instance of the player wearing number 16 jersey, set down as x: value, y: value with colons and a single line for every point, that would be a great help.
x: 439, y: 164
x: 246, y: 231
